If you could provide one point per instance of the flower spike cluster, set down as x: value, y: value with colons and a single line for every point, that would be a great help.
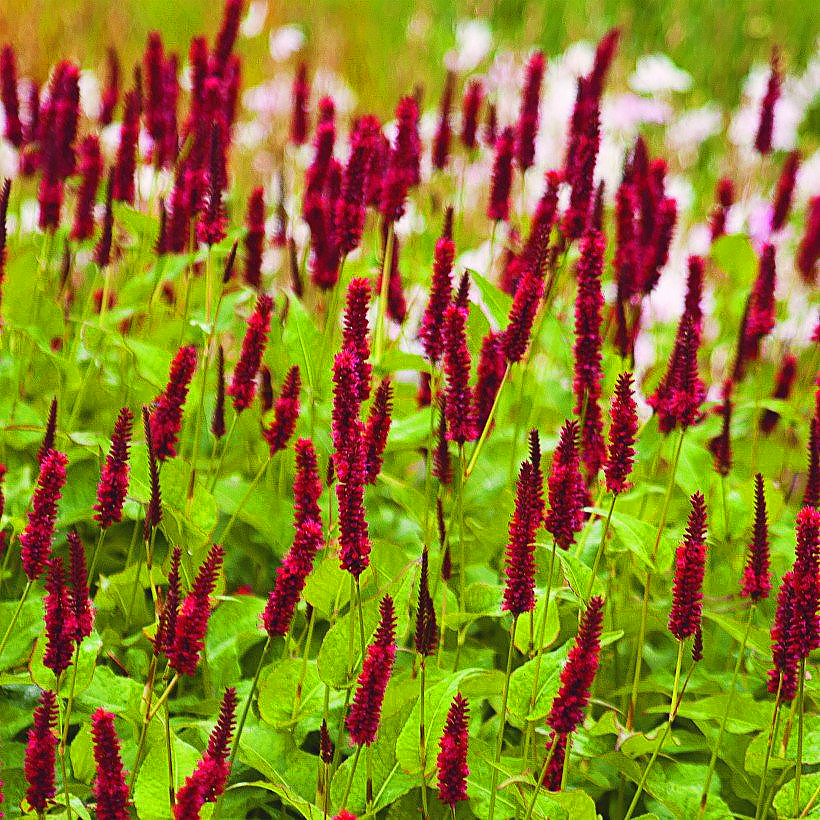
x: 110, y: 788
x: 441, y: 288
x: 41, y: 752
x: 426, y: 637
x: 285, y: 413
x: 527, y: 128
x: 567, y: 491
x: 113, y: 483
x: 756, y: 584
x: 60, y: 622
x: 243, y: 385
x: 622, y: 433
x: 460, y: 419
x: 166, y: 415
x: 355, y: 333
x: 765, y: 128
x: 452, y: 757
x: 80, y: 602
x: 378, y: 428
x: 690, y: 565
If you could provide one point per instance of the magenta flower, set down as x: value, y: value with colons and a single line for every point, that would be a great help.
x: 218, y: 419
x: 285, y: 413
x: 471, y: 105
x: 426, y: 633
x: 350, y: 209
x: 808, y: 251
x: 10, y: 97
x: 811, y: 495
x: 110, y: 788
x: 36, y: 539
x: 50, y: 433
x: 498, y: 209
x: 354, y: 539
x: 492, y: 365
x: 113, y: 484
x: 441, y: 288
x: 527, y: 127
x: 785, y: 189
x: 91, y: 167
x: 255, y: 237
x: 80, y: 603
x: 378, y: 428
x: 721, y: 445
x: 519, y: 590
x: 522, y: 313
x: 210, y: 228
x: 402, y: 171
x: 356, y: 331
x: 690, y: 565
x: 460, y: 419
x: 806, y: 626
x: 243, y: 385
x: 756, y: 583
x: 301, y: 93
x: 785, y: 653
x: 442, y: 469
x: 452, y: 757
x: 725, y: 197
x: 622, y: 433
x: 444, y: 130
x: 40, y: 753
x: 60, y: 623
x: 125, y: 166
x: 567, y: 492
x: 166, y: 415
x: 763, y: 138
x: 111, y: 90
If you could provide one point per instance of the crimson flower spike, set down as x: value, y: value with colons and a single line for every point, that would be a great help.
x: 355, y: 332
x: 567, y: 492
x: 299, y: 119
x: 167, y: 625
x: 523, y: 309
x: 452, y: 758
x: 35, y: 541
x: 725, y: 197
x: 527, y: 127
x: 756, y: 584
x: 442, y: 469
x: 346, y: 405
x: 125, y: 166
x: 243, y: 385
x: 60, y: 624
x: 622, y: 431
x: 365, y: 712
x: 491, y: 367
x: 80, y: 602
x: 785, y: 189
x: 808, y: 251
x: 50, y: 433
x: 806, y: 629
x: 765, y: 128
x: 721, y: 445
x: 567, y: 711
x: 166, y: 416
x: 113, y: 484
x: 325, y: 744
x: 785, y: 654
x: 782, y: 390
x: 350, y: 209
x: 153, y: 64
x: 10, y: 97
x: 5, y: 191
x: 426, y: 637
x: 470, y: 106
x: 690, y: 564
x: 41, y: 752
x: 285, y: 413
x: 211, y: 226
x: 102, y: 250
x: 603, y: 59
x: 519, y: 570
x: 90, y: 168
x: 192, y: 620
x: 491, y: 126
x: 694, y: 291
x: 441, y: 289
x: 811, y: 495
x: 460, y: 419
x: 218, y: 420
x: 760, y: 320
x: 255, y: 237
x: 498, y: 209
x: 153, y: 512
x: 110, y: 789
x: 378, y: 428
x: 111, y: 92
x: 444, y: 130
x: 354, y: 539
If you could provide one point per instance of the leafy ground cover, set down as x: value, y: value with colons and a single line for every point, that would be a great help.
x: 464, y: 464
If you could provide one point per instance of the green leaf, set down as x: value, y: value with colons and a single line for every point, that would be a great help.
x: 28, y: 626
x: 496, y: 302
x: 521, y: 683
x: 784, y: 799
x: 524, y: 640
x: 45, y: 678
x: 151, y: 790
x: 758, y: 639
x: 234, y: 626
x: 736, y: 257
x: 278, y: 705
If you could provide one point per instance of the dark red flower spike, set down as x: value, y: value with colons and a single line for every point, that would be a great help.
x: 426, y: 632
x: 36, y: 539
x: 60, y: 623
x: 470, y: 107
x: 166, y: 416
x: 452, y: 758
x: 378, y: 428
x: 441, y: 288
x: 756, y: 583
x: 90, y: 168
x: 355, y: 335
x: 78, y: 593
x: 782, y: 390
x: 690, y: 565
x: 498, y: 209
x: 41, y: 752
x: 622, y: 431
x: 113, y: 484
x: 243, y: 384
x: 460, y: 420
x: 444, y: 131
x: 765, y: 128
x: 808, y: 251
x: 110, y: 789
x: 567, y: 491
x: 301, y: 93
x: 785, y: 190
x: 527, y: 127
x: 286, y: 412
x: 255, y: 237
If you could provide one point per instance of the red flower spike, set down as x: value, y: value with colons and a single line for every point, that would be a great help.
x: 113, y: 484
x: 365, y: 711
x: 5, y: 191
x: 690, y: 564
x: 111, y: 92
x: 782, y: 390
x: 522, y: 314
x: 460, y: 419
x: 452, y: 758
x: 603, y: 59
x: 166, y: 416
x: 322, y: 154
x: 403, y: 161
x: 153, y: 512
x: 36, y: 539
x: 423, y: 394
x: 471, y: 105
x: 90, y: 167
x: 426, y: 633
x: 345, y: 413
x: 50, y: 433
x: 153, y: 64
x: 226, y: 37
x: 697, y: 646
x: 806, y: 627
x: 255, y: 238
x: 110, y: 789
x: 694, y: 291
x: 167, y: 625
x: 811, y: 495
x: 765, y: 128
x: 519, y: 567
x: 491, y: 126
x: 396, y: 303
x: 756, y: 583
x: 41, y: 752
x: 80, y: 602
x: 441, y: 288
x: 785, y: 189
x: 219, y: 742
x: 61, y: 626
x: 350, y: 209
x: 218, y: 420
x: 808, y: 251
x: 344, y: 814
x: 785, y: 654
x: 579, y: 671
x: 622, y: 431
x: 444, y: 131
x: 325, y: 744
x: 212, y: 222
x: 537, y: 491
x: 491, y: 367
x: 189, y: 800
x: 102, y: 250
x: 286, y: 412
x: 299, y: 118
x: 442, y: 469
x: 555, y: 769
x: 582, y: 155
x: 307, y: 487
x: 760, y: 321
x: 125, y: 166
x: 243, y: 385
x: 355, y: 332
x: 721, y: 445
x: 9, y: 96
x: 527, y: 127
x: 567, y: 492
x: 498, y: 209
x: 354, y: 541
x: 378, y: 427
x: 725, y: 197
x: 192, y: 620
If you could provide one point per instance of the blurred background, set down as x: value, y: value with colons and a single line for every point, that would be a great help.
x: 385, y: 47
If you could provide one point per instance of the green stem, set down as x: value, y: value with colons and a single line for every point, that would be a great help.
x: 15, y: 616
x: 713, y: 760
x: 380, y: 318
x: 232, y: 521
x: 70, y: 699
x: 633, y: 700
x: 241, y: 725
x: 541, y: 777
x: 149, y: 691
x: 488, y: 424
x: 163, y: 697
x: 600, y: 551
x: 169, y: 752
x: 799, y: 760
x: 499, y: 743
x: 352, y: 775
x: 361, y: 619
x: 61, y: 751
x: 422, y: 742
x: 303, y: 670
x: 772, y: 732
x: 96, y: 554
x: 228, y: 438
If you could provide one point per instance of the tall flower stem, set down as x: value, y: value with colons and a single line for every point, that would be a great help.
x: 422, y: 740
x: 502, y: 718
x: 63, y: 728
x: 228, y: 438
x: 163, y: 697
x: 487, y: 425
x: 541, y: 777
x: 772, y: 733
x: 244, y: 716
x: 149, y: 691
x: 431, y: 446
x: 254, y: 482
x: 15, y: 616
x: 380, y: 318
x: 529, y: 733
x: 713, y: 760
x: 673, y: 710
x: 633, y: 700
x: 70, y: 700
x: 799, y: 760
x: 601, y: 546
x: 352, y: 774
x: 462, y: 574
x: 169, y: 753
x: 303, y: 671
x: 361, y: 619
x: 96, y: 554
